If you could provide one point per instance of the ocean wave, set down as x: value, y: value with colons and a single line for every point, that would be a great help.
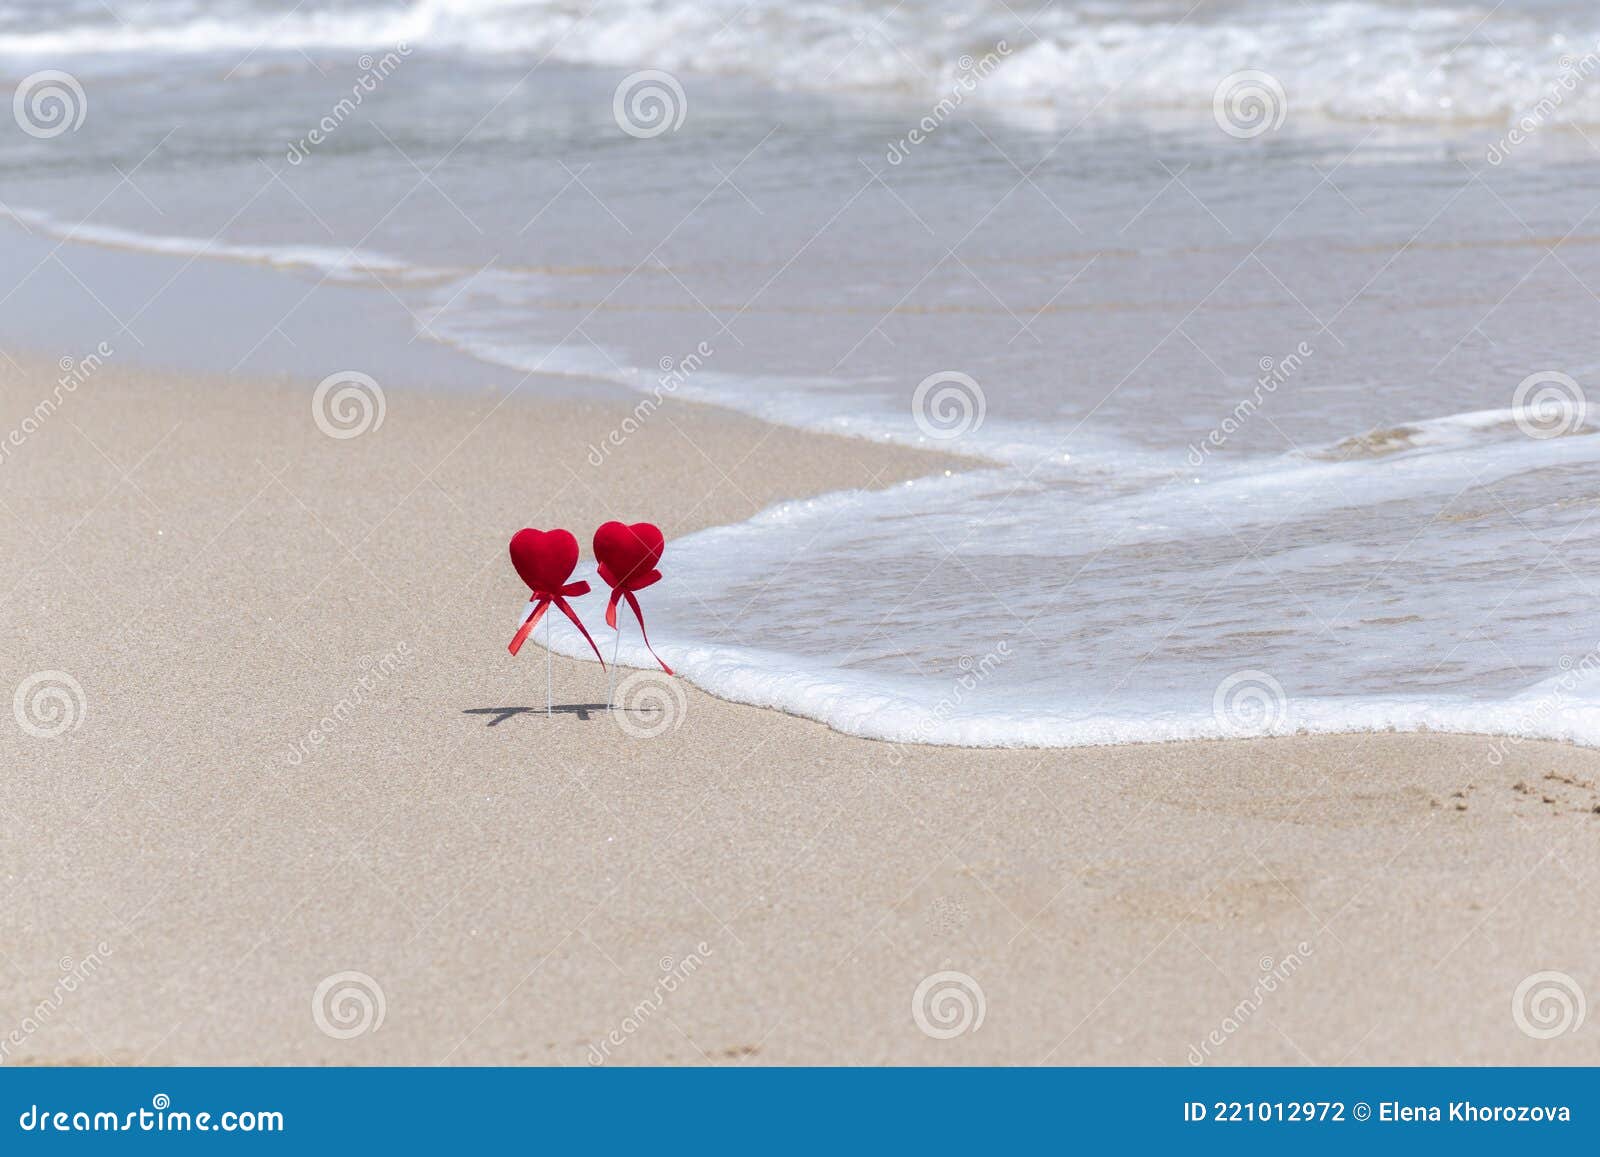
x: 1351, y: 59
x: 1293, y: 596
x: 342, y: 265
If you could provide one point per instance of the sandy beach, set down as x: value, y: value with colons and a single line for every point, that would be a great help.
x: 309, y: 810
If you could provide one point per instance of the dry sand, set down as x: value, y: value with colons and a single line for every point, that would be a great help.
x: 217, y: 576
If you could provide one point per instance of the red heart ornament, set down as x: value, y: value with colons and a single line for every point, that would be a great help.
x: 628, y: 554
x: 544, y: 558
x: 627, y: 558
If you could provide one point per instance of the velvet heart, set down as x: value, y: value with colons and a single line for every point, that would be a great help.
x: 544, y: 558
x: 627, y: 555
x: 627, y: 558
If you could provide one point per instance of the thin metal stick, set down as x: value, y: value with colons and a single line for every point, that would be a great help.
x: 549, y: 692
x: 611, y: 672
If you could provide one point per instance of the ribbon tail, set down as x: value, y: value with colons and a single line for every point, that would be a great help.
x: 567, y: 610
x: 638, y: 614
x: 526, y: 629
x: 611, y: 608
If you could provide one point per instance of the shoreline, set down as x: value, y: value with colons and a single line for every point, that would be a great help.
x: 908, y: 464
x: 223, y: 581
x: 218, y: 312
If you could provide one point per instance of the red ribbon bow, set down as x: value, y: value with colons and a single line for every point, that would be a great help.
x: 545, y: 560
x: 544, y: 599
x: 627, y: 556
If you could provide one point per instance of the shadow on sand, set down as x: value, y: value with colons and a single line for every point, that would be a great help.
x: 584, y: 711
